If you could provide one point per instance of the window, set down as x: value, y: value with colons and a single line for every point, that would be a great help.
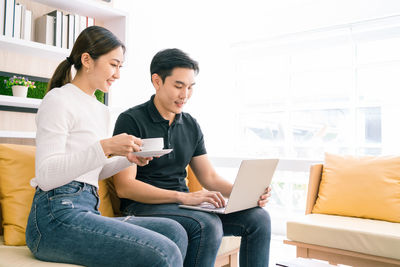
x: 334, y: 90
x: 329, y: 90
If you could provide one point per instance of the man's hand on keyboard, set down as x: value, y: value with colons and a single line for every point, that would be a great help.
x: 213, y: 197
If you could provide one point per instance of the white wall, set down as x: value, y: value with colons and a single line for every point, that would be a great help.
x: 206, y: 30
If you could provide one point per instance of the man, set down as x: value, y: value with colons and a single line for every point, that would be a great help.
x: 158, y: 188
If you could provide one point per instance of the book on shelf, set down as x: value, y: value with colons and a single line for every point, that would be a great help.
x: 71, y: 26
x: 26, y: 24
x: 76, y: 26
x: 89, y: 21
x: 9, y: 18
x: 2, y: 15
x: 22, y: 27
x: 64, y: 43
x: 82, y: 23
x: 58, y: 21
x: 17, y: 21
x: 45, y: 29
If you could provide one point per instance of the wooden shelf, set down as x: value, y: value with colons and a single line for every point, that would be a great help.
x: 13, y: 101
x: 17, y: 134
x: 32, y: 48
x: 19, y: 104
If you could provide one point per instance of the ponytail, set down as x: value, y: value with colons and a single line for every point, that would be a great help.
x: 61, y: 76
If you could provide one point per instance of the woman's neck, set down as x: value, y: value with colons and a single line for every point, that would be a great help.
x: 83, y: 84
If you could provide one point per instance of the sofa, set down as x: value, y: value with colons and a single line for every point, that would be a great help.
x: 16, y: 170
x: 352, y: 213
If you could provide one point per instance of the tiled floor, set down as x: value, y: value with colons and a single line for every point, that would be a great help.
x: 280, y: 251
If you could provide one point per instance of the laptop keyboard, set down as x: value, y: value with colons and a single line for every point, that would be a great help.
x: 207, y: 205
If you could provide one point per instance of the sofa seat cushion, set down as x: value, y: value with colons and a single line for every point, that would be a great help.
x: 228, y: 244
x: 20, y: 256
x: 366, y: 236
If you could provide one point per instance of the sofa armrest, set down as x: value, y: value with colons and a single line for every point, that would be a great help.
x: 313, y: 186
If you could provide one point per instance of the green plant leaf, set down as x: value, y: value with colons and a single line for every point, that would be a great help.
x: 38, y: 92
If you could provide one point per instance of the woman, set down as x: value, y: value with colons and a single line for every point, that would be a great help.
x: 72, y: 154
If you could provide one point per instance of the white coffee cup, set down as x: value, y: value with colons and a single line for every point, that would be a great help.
x: 152, y: 144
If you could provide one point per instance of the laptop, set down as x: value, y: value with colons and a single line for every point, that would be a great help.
x: 253, y: 177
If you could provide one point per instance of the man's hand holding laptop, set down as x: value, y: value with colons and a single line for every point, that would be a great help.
x: 264, y: 198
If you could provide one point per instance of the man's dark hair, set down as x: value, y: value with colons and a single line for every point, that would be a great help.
x: 166, y: 60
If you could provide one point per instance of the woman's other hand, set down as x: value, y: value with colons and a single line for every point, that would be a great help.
x: 140, y: 161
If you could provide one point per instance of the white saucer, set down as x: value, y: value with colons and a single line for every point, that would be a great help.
x: 156, y: 153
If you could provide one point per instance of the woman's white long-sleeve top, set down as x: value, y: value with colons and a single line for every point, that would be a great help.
x: 70, y: 125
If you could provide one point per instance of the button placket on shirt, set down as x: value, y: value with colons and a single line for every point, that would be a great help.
x: 169, y: 136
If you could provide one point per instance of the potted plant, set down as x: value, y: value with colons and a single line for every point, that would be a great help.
x: 19, y: 85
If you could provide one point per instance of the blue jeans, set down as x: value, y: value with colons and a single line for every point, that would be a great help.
x: 65, y: 226
x: 205, y: 231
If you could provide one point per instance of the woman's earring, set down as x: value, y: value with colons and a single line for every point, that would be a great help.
x: 87, y: 71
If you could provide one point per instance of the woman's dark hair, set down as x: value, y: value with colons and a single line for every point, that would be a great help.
x: 166, y: 60
x: 94, y: 40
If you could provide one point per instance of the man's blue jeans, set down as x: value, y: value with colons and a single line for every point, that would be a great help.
x: 205, y: 231
x: 64, y: 225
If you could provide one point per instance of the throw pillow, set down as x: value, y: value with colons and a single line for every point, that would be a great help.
x: 109, y: 201
x: 17, y: 168
x: 366, y: 187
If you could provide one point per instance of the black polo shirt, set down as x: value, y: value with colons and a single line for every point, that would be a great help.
x: 184, y: 136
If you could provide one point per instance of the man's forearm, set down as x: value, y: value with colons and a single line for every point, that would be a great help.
x: 221, y: 185
x: 145, y: 193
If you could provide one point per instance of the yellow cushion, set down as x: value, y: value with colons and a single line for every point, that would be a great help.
x: 17, y: 168
x: 192, y: 182
x: 109, y: 201
x: 366, y: 187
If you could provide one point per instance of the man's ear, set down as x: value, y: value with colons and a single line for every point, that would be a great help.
x: 156, y: 80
